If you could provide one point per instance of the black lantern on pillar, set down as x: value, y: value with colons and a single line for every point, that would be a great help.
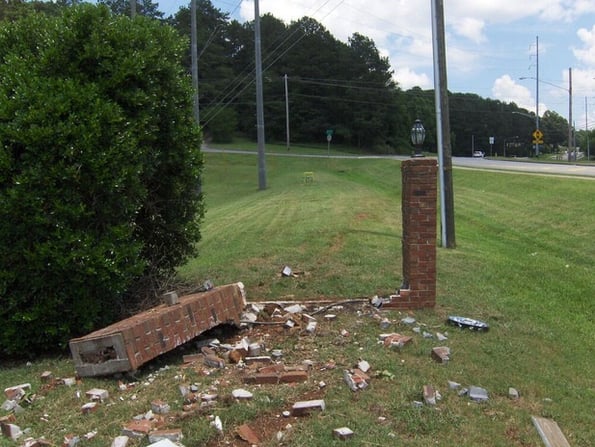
x: 418, y: 135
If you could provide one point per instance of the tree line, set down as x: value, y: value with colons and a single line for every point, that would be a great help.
x: 325, y: 83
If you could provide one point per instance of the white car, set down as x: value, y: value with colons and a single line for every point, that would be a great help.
x: 478, y: 154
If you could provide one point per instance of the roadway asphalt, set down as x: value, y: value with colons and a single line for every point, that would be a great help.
x: 492, y: 164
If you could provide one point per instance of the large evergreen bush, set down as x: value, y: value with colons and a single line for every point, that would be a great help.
x: 100, y: 169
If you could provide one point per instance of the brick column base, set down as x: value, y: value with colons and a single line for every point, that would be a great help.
x: 419, y: 207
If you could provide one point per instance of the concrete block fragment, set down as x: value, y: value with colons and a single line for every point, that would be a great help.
x: 305, y: 407
x: 171, y: 298
x: 343, y: 433
x: 89, y: 407
x: 164, y: 443
x: 71, y: 440
x: 513, y: 393
x: 8, y: 405
x: 173, y: 434
x: 160, y: 407
x: 120, y: 441
x: 261, y: 359
x: 12, y: 431
x: 478, y: 394
x: 363, y: 366
x: 97, y: 394
x: 429, y: 395
x: 242, y: 394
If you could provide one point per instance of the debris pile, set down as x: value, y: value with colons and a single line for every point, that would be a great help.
x: 244, y: 363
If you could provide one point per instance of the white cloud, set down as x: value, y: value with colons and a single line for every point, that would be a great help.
x: 507, y: 90
x: 586, y: 54
x: 471, y: 28
x: 407, y: 78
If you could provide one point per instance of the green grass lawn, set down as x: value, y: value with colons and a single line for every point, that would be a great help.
x: 523, y: 263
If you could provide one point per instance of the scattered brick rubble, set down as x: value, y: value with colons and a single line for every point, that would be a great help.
x: 257, y: 365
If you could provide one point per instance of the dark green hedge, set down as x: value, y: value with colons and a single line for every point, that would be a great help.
x: 100, y: 169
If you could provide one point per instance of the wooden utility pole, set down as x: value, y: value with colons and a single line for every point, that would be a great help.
x: 443, y: 127
x: 194, y: 57
x: 262, y: 179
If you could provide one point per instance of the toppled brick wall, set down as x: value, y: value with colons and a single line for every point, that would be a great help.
x: 129, y: 343
x: 419, y: 208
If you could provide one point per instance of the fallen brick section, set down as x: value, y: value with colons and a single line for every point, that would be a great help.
x: 128, y: 344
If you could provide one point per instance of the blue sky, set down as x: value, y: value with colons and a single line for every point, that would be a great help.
x: 490, y: 44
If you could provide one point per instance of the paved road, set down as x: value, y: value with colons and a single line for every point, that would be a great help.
x: 587, y: 171
x: 565, y: 169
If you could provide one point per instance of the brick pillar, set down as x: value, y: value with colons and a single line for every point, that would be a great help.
x: 419, y: 206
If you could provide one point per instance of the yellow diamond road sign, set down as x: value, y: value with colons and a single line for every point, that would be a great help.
x: 538, y: 134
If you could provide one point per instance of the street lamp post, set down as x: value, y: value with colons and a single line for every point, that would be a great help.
x: 418, y: 135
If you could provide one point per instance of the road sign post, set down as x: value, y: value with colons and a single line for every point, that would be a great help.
x: 329, y: 137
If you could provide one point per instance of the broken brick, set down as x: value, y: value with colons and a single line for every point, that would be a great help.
x: 262, y: 378
x: 17, y: 392
x: 247, y: 434
x: 137, y: 428
x: 214, y: 361
x: 441, y: 354
x: 46, y: 376
x: 11, y: 431
x: 396, y: 340
x: 272, y: 369
x: 192, y: 358
x: 293, y: 376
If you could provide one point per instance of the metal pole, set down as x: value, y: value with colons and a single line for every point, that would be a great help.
x: 194, y: 55
x: 262, y: 181
x: 132, y: 8
x: 286, y: 111
x: 587, y: 130
x: 537, y: 93
x: 570, y: 149
x: 443, y: 127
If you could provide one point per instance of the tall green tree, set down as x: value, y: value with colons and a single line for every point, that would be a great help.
x: 146, y: 8
x: 99, y: 169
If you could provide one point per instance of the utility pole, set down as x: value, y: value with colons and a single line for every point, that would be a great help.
x: 587, y: 131
x: 132, y: 8
x: 194, y: 56
x: 286, y: 111
x: 570, y: 145
x: 262, y: 180
x: 443, y: 127
x: 537, y: 91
